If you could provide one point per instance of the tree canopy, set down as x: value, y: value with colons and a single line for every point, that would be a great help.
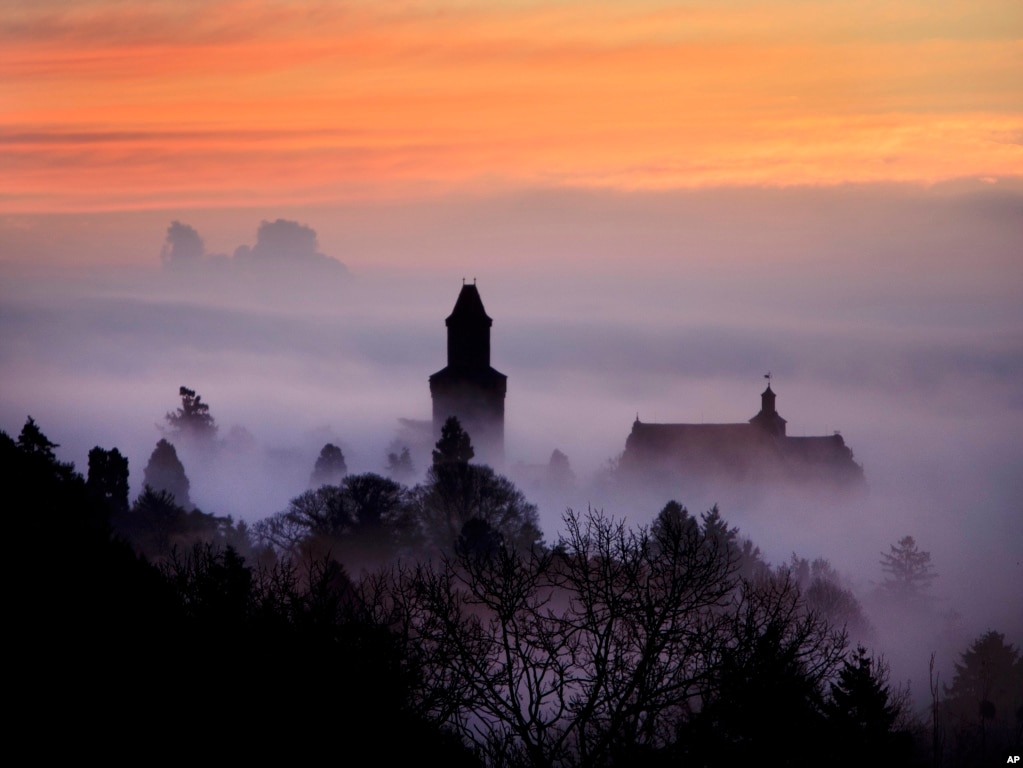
x: 455, y: 493
x: 598, y: 652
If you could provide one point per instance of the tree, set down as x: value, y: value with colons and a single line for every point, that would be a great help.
x: 212, y: 584
x: 559, y: 472
x: 72, y: 522
x: 192, y: 419
x: 984, y: 705
x: 321, y: 513
x: 330, y: 467
x: 33, y: 441
x: 399, y: 465
x: 479, y: 539
x: 838, y: 606
x: 863, y: 713
x: 108, y: 478
x: 157, y: 525
x: 38, y: 449
x: 769, y: 661
x: 909, y: 570
x: 454, y: 446
x: 377, y: 509
x: 363, y: 518
x: 823, y: 590
x: 455, y: 493
x: 595, y: 652
x: 165, y: 472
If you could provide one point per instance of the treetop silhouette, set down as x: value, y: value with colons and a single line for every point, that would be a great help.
x: 454, y: 446
x: 908, y: 568
x: 193, y: 418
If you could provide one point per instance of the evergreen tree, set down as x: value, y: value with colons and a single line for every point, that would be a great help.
x: 909, y: 570
x: 38, y: 448
x: 193, y: 418
x: 330, y: 467
x: 34, y: 442
x: 984, y: 704
x: 559, y: 471
x: 108, y: 478
x: 454, y: 446
x: 399, y: 465
x: 165, y: 472
x: 863, y: 712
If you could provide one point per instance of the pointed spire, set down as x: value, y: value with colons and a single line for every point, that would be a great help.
x: 469, y: 306
x: 469, y: 330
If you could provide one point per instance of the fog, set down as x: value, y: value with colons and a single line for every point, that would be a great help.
x: 892, y: 314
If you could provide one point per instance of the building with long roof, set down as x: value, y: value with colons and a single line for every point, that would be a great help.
x: 756, y: 451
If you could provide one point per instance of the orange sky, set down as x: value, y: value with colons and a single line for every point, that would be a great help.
x: 120, y: 105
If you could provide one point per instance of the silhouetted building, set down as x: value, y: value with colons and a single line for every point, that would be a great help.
x: 758, y: 451
x: 468, y: 387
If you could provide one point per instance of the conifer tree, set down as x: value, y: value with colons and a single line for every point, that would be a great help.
x: 400, y: 466
x: 108, y: 477
x: 908, y: 568
x: 454, y: 446
x: 330, y: 468
x: 33, y: 441
x: 193, y: 418
x: 165, y: 472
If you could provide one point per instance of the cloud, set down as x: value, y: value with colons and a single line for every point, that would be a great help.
x: 182, y: 247
x: 122, y: 107
x: 286, y: 256
x: 284, y: 243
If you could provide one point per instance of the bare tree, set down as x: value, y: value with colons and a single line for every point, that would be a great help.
x: 566, y: 657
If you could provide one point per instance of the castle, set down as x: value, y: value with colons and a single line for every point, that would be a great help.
x: 468, y: 388
x: 756, y: 451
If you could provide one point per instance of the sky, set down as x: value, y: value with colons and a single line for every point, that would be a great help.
x: 113, y: 106
x: 661, y: 201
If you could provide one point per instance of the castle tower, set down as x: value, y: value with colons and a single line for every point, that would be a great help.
x: 468, y: 387
x: 768, y: 419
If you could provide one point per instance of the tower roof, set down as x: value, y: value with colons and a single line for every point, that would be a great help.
x: 469, y: 307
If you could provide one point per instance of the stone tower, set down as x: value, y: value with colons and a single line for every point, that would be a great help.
x: 468, y: 387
